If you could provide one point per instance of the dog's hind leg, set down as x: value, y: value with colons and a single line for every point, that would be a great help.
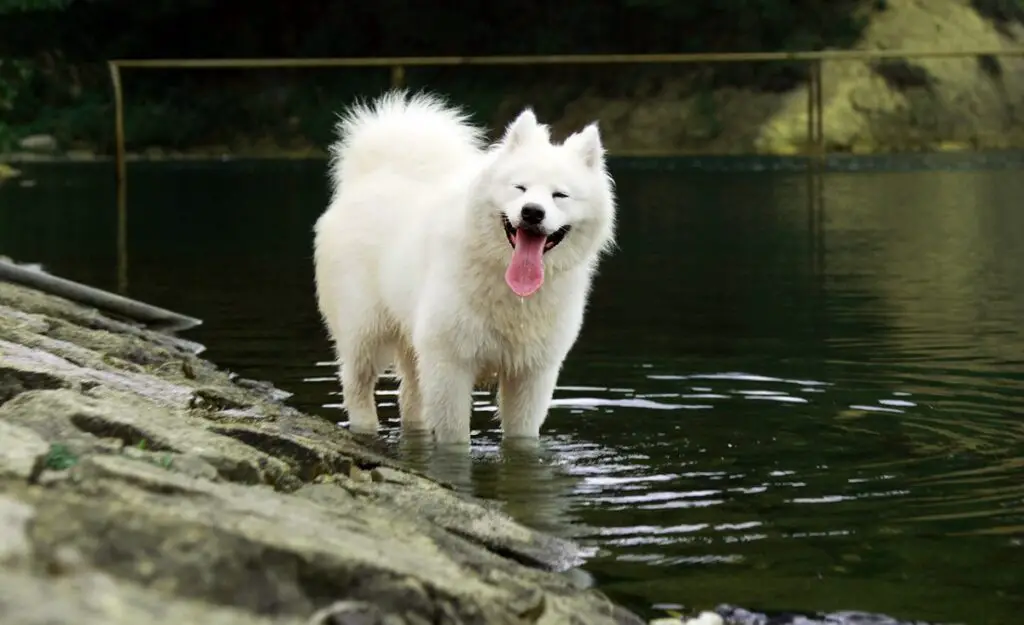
x: 410, y: 399
x: 359, y: 372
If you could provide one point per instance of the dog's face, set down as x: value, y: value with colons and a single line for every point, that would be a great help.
x: 551, y: 205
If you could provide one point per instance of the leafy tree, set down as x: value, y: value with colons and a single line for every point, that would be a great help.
x: 15, y: 6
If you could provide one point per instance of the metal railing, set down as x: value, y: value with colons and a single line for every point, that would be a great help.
x: 397, y: 67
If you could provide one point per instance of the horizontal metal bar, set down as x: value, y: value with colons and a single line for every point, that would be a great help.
x: 564, y: 59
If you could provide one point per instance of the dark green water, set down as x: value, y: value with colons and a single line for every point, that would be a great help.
x: 758, y: 412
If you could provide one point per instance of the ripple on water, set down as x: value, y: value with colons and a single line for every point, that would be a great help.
x: 743, y: 470
x: 842, y: 447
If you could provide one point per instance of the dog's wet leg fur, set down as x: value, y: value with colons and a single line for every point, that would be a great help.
x: 358, y: 383
x: 523, y: 400
x: 410, y: 397
x: 447, y: 398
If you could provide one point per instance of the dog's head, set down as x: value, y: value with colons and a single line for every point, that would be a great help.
x: 551, y: 206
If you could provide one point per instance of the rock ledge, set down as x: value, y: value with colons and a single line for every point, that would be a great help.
x: 139, y: 483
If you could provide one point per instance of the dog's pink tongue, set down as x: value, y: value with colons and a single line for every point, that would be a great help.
x: 525, y: 273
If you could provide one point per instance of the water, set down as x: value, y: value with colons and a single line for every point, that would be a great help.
x: 760, y: 410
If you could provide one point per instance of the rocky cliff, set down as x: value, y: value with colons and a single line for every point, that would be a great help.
x: 892, y: 105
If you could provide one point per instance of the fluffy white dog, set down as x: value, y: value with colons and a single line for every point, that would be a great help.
x: 457, y: 262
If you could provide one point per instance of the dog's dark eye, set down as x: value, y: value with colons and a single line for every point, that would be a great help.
x: 521, y: 188
x: 558, y: 195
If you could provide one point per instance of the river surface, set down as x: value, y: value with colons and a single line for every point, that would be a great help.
x: 771, y: 405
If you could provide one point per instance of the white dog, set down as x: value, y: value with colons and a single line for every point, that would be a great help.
x: 457, y: 262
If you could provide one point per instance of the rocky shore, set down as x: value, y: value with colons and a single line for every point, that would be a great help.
x: 140, y: 483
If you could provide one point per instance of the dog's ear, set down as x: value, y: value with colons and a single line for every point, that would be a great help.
x: 587, y: 145
x: 520, y: 130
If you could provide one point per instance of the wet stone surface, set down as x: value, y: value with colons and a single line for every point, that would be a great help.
x: 140, y: 483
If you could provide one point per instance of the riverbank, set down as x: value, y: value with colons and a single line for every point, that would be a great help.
x: 141, y: 483
x: 215, y: 152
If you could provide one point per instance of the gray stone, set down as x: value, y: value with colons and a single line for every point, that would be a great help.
x: 39, y: 143
x: 15, y: 546
x: 19, y: 449
x: 96, y: 599
x: 143, y: 484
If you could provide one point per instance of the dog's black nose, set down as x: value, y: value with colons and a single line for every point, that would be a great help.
x: 533, y: 214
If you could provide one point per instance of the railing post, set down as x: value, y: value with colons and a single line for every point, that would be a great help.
x: 815, y: 111
x: 115, y: 82
x: 120, y: 177
x: 819, y: 119
x: 810, y: 107
x: 397, y: 76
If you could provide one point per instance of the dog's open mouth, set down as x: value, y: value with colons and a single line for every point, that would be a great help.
x: 525, y: 273
x: 553, y: 239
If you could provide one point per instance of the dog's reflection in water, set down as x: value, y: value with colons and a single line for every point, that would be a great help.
x: 524, y: 477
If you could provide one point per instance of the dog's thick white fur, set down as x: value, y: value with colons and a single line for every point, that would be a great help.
x: 424, y: 246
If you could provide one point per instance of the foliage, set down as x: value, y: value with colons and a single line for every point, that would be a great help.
x: 99, y: 29
x: 59, y: 458
x: 66, y: 91
x: 1001, y: 11
x: 13, y: 6
x: 14, y: 74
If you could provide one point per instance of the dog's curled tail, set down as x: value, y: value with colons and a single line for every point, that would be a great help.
x: 418, y: 135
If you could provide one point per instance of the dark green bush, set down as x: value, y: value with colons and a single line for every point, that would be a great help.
x: 66, y: 89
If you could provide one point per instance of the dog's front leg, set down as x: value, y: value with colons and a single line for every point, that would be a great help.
x: 447, y: 390
x: 523, y: 400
